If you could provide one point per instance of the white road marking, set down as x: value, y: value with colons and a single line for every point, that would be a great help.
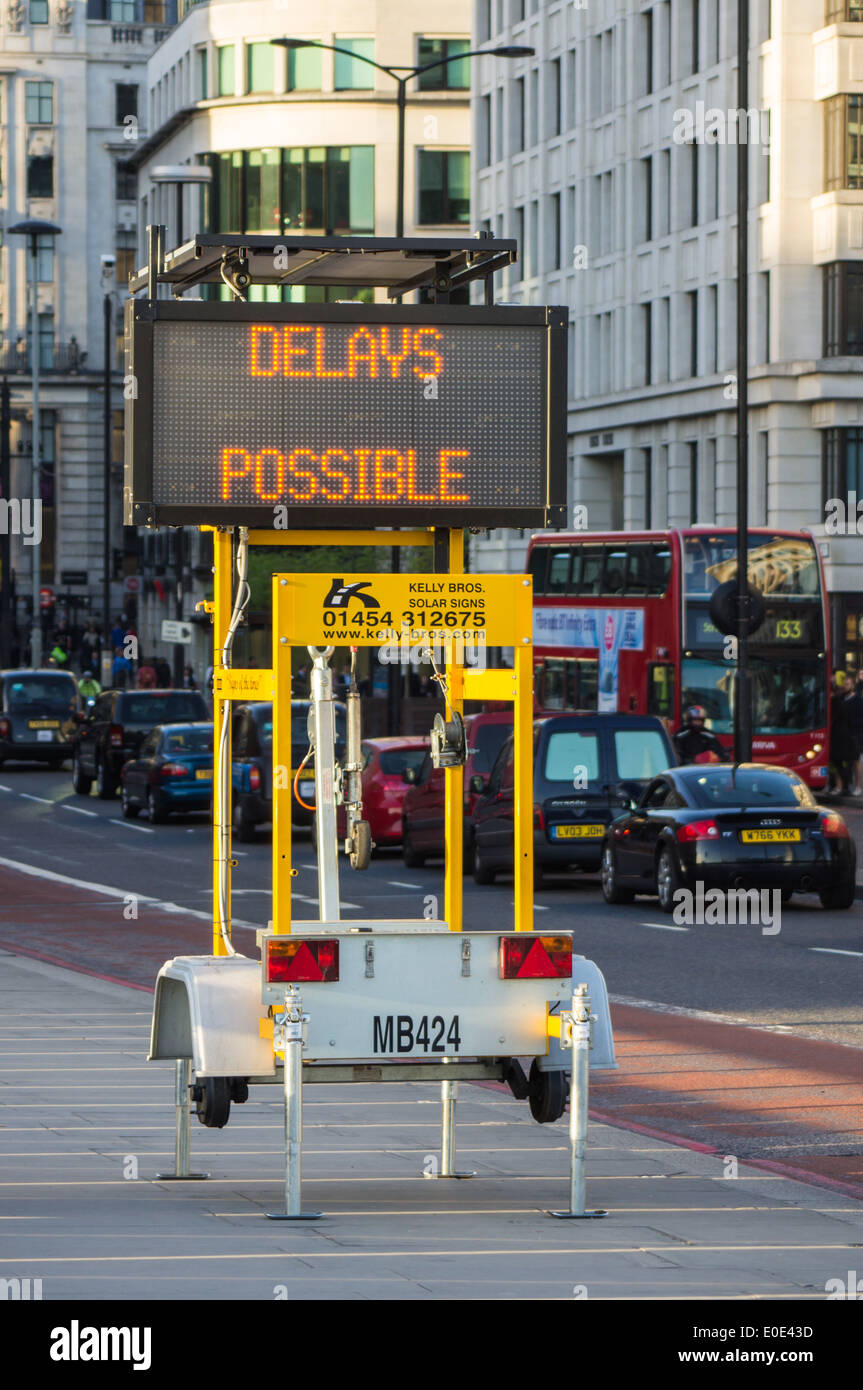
x: 130, y: 825
x: 79, y: 810
x: 662, y: 926
x: 5, y: 789
x: 44, y: 800
x: 834, y: 951
x: 537, y: 907
x: 394, y: 883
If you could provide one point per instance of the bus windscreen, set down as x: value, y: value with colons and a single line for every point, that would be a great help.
x: 779, y: 566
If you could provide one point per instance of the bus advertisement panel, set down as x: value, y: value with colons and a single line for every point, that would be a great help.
x: 622, y: 622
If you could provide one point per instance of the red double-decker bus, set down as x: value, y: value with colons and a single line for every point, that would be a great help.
x: 621, y: 622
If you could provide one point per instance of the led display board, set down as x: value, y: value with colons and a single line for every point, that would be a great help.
x: 294, y: 415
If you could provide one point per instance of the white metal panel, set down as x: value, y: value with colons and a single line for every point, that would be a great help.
x: 223, y: 998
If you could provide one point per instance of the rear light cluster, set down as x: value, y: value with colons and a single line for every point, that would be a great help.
x: 530, y: 957
x: 538, y: 818
x: 254, y: 778
x: 292, y: 961
x: 698, y: 830
x: 173, y: 770
x: 833, y: 826
x: 115, y: 736
x: 4, y: 728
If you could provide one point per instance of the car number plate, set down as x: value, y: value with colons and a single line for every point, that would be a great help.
x: 202, y: 773
x: 577, y: 832
x: 757, y: 837
x: 43, y: 724
x: 44, y: 735
x: 394, y: 1033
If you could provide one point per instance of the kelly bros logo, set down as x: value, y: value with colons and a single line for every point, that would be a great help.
x: 341, y: 594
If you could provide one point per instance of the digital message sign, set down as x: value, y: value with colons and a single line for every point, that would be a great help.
x: 292, y: 415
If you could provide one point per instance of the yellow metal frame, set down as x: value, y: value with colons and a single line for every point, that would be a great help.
x: 464, y: 683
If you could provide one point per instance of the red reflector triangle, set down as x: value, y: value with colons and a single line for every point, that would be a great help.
x: 304, y: 966
x: 537, y: 965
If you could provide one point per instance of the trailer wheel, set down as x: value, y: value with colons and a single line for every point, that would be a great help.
x: 361, y: 845
x: 547, y: 1097
x: 212, y: 1097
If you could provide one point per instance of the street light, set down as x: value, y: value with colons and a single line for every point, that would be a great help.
x: 34, y: 228
x: 742, y: 706
x: 403, y: 75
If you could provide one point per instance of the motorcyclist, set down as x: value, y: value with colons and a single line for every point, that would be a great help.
x: 88, y: 686
x: 693, y: 743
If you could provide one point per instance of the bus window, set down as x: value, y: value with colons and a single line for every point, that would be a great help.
x: 660, y: 569
x: 538, y: 567
x: 638, y: 570
x: 557, y: 579
x: 614, y: 574
x: 660, y: 689
x: 591, y: 569
x: 553, y: 683
x: 588, y: 684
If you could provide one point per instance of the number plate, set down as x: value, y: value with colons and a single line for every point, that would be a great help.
x: 757, y: 837
x: 577, y: 832
x: 43, y: 724
x: 395, y: 1033
x: 44, y: 735
x: 202, y: 773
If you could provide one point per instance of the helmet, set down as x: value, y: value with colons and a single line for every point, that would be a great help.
x: 696, y: 712
x: 87, y: 676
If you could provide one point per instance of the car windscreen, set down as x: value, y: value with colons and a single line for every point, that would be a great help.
x: 41, y: 694
x: 485, y: 743
x: 571, y: 756
x: 147, y: 710
x: 188, y: 741
x: 394, y: 761
x: 641, y: 754
x: 755, y: 787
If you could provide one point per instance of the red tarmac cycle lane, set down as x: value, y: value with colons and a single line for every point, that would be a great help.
x: 782, y: 1101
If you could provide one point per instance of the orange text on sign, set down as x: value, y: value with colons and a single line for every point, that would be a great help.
x: 378, y: 353
x: 339, y: 475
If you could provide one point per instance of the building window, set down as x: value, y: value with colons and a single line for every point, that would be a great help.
x: 46, y: 341
x: 44, y: 261
x: 125, y: 252
x: 843, y: 142
x: 444, y: 187
x: 842, y: 458
x: 647, y: 52
x: 843, y: 309
x: 40, y: 176
x: 517, y: 116
x: 647, y: 455
x: 693, y: 482
x: 329, y: 190
x: 227, y: 70
x: 647, y: 341
x: 39, y: 103
x: 262, y: 191
x: 692, y: 307
x: 712, y: 334
x: 156, y: 12
x: 844, y: 11
x: 353, y: 74
x: 125, y: 181
x: 553, y: 103
x: 647, y: 198
x: 554, y: 236
x: 39, y: 12
x: 484, y: 142
x: 304, y: 69
x: 201, y: 64
x: 452, y: 75
x: 122, y: 11
x: 261, y: 72
x: 125, y: 101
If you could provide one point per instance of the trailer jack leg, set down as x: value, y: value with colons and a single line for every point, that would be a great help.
x: 575, y: 1035
x: 182, y: 1088
x: 288, y: 1036
x: 448, y: 1097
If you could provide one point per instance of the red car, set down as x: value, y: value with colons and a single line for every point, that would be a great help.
x: 384, y: 762
x: 422, y: 834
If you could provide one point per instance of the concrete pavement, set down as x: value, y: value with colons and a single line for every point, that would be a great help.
x: 87, y: 1123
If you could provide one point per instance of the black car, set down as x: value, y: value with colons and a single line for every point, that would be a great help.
x: 747, y: 825
x: 116, y: 726
x: 586, y: 769
x: 252, y: 764
x: 38, y: 715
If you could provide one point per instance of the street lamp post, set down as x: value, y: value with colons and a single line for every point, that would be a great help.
x: 402, y: 75
x: 742, y: 702
x: 33, y: 229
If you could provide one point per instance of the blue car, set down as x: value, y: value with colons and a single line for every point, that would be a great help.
x: 173, y: 771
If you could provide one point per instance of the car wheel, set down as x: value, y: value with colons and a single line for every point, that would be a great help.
x: 411, y: 857
x: 611, y: 889
x: 244, y: 826
x: 482, y: 873
x: 80, y: 781
x: 841, y: 895
x: 105, y: 784
x: 130, y: 808
x: 667, y: 880
x: 156, y: 810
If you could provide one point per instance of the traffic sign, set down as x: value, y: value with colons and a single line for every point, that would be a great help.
x: 132, y: 584
x: 47, y: 598
x: 71, y: 579
x: 407, y: 609
x: 296, y: 415
x: 176, y: 632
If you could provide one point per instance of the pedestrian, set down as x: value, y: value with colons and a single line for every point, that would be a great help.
x: 843, y: 748
x: 121, y: 669
x: 118, y: 632
x: 163, y: 674
x: 189, y: 682
x: 89, y: 651
x: 146, y: 677
x: 854, y: 708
